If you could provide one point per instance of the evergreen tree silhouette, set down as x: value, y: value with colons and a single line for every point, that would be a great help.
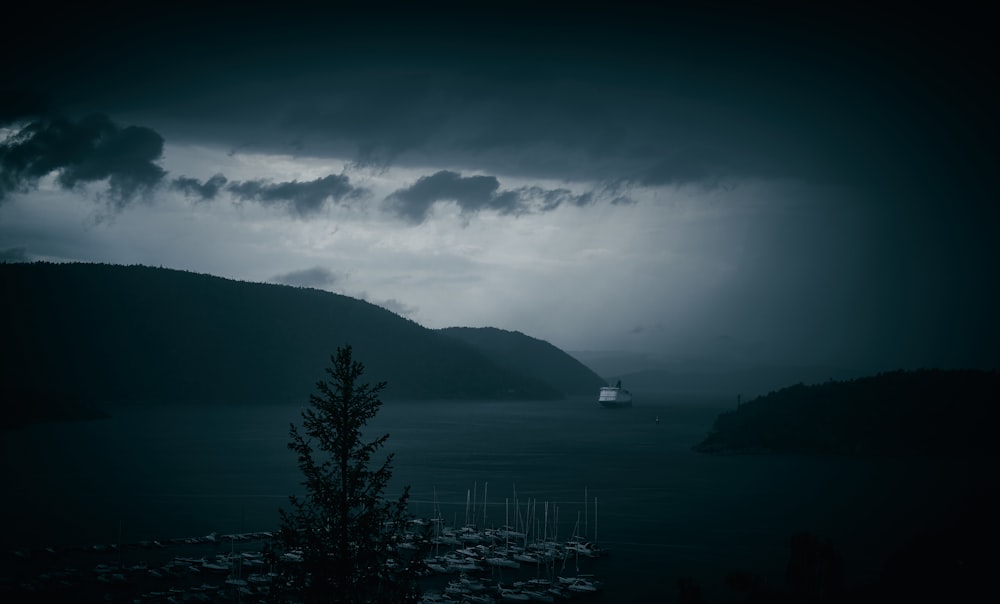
x: 343, y: 529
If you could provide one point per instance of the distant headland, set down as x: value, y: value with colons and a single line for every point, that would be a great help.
x: 924, y: 411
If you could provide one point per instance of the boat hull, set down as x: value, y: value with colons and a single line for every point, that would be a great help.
x: 615, y: 404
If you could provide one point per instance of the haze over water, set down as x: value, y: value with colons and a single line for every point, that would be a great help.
x: 663, y: 510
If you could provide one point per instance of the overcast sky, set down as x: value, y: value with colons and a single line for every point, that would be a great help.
x: 805, y: 188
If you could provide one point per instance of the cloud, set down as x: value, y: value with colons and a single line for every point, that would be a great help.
x: 14, y: 255
x: 469, y: 192
x: 194, y: 187
x: 316, y: 277
x: 476, y: 193
x: 397, y: 307
x: 537, y: 199
x: 79, y: 152
x: 302, y: 198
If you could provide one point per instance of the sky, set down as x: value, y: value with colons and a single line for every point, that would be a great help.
x: 713, y: 181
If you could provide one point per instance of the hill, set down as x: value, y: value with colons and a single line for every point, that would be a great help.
x: 926, y: 411
x: 86, y: 335
x: 526, y: 355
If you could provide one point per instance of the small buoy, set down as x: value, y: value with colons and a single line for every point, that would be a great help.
x: 657, y: 419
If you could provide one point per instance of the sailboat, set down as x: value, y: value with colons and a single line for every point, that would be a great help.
x: 582, y: 546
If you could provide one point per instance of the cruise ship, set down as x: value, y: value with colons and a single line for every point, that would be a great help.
x: 615, y: 396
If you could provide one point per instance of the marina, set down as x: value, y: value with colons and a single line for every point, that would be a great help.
x: 468, y: 563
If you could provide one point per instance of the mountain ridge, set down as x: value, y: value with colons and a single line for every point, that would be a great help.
x: 131, y: 334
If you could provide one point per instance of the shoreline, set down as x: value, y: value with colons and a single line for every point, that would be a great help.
x: 223, y: 568
x: 134, y: 572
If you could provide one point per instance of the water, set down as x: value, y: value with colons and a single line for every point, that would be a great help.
x: 663, y: 510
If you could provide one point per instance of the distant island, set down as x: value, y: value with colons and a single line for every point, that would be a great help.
x: 81, y: 336
x: 924, y: 411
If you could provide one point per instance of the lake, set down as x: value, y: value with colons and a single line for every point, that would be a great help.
x: 633, y: 485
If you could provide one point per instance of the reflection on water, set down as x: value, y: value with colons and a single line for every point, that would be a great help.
x: 632, y: 484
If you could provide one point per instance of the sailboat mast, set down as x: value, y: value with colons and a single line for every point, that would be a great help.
x: 555, y: 522
x: 595, y: 519
x: 506, y: 523
x: 545, y: 525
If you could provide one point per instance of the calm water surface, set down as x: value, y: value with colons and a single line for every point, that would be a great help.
x: 633, y: 485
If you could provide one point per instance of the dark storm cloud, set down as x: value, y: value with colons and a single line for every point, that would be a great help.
x: 205, y: 191
x: 542, y: 125
x: 523, y: 200
x: 16, y: 105
x: 656, y: 94
x: 79, y: 152
x: 476, y: 193
x: 376, y: 119
x: 302, y: 198
x: 414, y: 202
x: 316, y: 277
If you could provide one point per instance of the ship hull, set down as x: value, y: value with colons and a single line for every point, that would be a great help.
x: 614, y: 398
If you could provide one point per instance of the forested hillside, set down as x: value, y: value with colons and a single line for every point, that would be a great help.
x: 98, y: 334
x: 523, y: 354
x: 927, y: 411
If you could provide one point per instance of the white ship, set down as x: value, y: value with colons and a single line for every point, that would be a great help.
x: 615, y: 396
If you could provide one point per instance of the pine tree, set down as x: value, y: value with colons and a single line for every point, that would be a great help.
x: 343, y: 528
